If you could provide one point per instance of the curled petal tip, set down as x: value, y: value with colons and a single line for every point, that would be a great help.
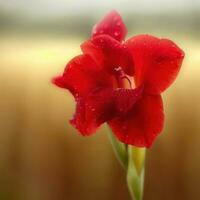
x: 58, y: 81
x: 112, y: 24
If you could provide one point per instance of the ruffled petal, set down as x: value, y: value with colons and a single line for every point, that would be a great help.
x: 125, y: 99
x: 157, y: 62
x: 92, y: 111
x: 112, y: 24
x: 141, y: 125
x: 101, y: 106
x: 109, y: 53
x: 82, y: 75
x: 95, y: 52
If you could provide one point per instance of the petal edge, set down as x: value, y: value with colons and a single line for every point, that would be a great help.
x: 112, y: 24
x: 142, y: 125
x: 157, y: 62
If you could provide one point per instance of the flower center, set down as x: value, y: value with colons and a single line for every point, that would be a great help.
x: 122, y: 80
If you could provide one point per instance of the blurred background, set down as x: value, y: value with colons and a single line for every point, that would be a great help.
x: 41, y: 156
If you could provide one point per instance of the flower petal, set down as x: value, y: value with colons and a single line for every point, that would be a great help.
x: 112, y: 24
x: 101, y: 106
x: 95, y: 52
x: 157, y: 62
x: 141, y: 125
x: 125, y: 99
x: 93, y: 110
x: 82, y: 75
x: 109, y: 53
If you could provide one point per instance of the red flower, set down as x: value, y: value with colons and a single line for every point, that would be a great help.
x: 120, y: 82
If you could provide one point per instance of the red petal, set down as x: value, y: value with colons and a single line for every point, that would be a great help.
x: 109, y: 53
x: 59, y: 81
x: 95, y: 52
x: 141, y: 125
x: 82, y: 75
x: 112, y: 24
x: 126, y: 98
x: 93, y: 110
x: 101, y: 106
x: 157, y: 62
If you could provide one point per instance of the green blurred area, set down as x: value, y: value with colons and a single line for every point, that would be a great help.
x: 43, y: 158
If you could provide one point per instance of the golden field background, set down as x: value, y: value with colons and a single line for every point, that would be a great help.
x: 43, y: 158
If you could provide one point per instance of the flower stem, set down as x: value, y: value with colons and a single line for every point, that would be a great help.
x: 135, y: 172
x: 133, y: 161
x: 120, y: 150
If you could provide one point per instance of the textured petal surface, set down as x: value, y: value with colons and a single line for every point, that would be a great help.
x: 101, y: 106
x: 109, y: 53
x: 95, y: 52
x: 125, y: 99
x: 141, y: 125
x: 92, y: 111
x: 157, y: 62
x: 113, y: 25
x: 82, y: 75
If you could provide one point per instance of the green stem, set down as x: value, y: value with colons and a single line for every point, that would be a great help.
x: 133, y: 161
x: 120, y: 150
x: 135, y: 172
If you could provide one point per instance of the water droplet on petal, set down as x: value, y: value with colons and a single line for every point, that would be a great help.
x: 116, y: 33
x: 118, y: 23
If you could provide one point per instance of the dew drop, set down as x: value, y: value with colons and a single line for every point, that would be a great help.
x: 118, y: 23
x: 116, y: 33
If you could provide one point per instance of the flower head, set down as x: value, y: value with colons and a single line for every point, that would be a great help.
x: 120, y: 82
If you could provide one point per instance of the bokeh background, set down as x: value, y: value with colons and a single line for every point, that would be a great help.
x: 41, y: 156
